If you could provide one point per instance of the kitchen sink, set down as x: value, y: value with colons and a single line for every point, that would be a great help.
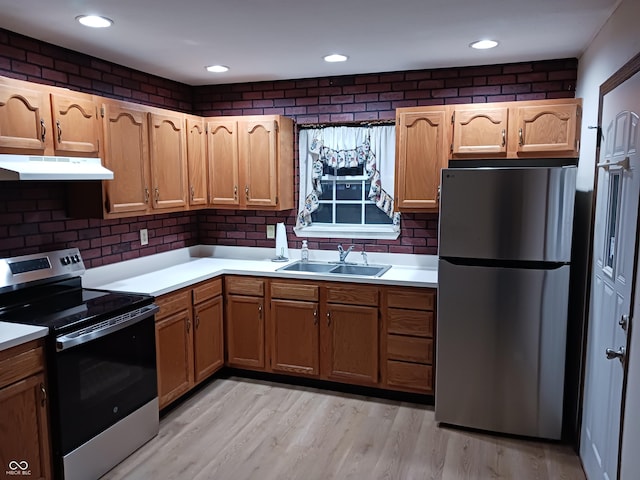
x: 336, y: 268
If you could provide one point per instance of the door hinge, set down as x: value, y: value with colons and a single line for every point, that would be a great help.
x: 102, y: 112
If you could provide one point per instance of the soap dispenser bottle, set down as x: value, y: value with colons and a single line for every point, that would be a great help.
x: 304, y: 252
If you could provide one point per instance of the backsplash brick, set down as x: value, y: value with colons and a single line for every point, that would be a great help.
x: 33, y: 216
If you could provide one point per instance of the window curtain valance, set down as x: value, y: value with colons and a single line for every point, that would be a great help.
x: 340, y: 147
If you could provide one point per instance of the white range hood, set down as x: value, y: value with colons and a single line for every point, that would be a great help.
x: 36, y: 167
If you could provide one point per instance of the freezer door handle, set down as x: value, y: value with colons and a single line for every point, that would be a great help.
x: 619, y: 354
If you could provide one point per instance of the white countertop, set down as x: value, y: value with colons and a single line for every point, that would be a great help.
x: 12, y: 334
x: 164, y: 273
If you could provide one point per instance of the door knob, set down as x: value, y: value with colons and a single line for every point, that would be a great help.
x: 620, y: 354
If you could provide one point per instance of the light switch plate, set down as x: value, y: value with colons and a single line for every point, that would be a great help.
x: 271, y: 231
x: 144, y: 237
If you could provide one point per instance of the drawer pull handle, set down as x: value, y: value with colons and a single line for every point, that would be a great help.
x: 328, y: 319
x: 146, y: 195
x: 43, y: 130
x: 520, y: 137
x: 260, y: 310
x: 504, y: 137
x: 315, y: 317
x: 59, y: 131
x: 44, y: 394
x: 235, y: 192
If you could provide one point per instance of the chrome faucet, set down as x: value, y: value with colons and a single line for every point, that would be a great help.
x: 344, y: 253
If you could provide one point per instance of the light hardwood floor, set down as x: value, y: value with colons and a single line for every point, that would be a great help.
x: 237, y: 429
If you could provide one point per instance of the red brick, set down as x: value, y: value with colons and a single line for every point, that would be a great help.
x: 342, y: 99
x: 367, y: 97
x: 26, y: 68
x: 353, y: 89
x: 342, y: 117
x: 365, y: 116
x: 354, y: 107
x: 516, y: 88
x: 488, y: 90
x: 445, y: 92
x: 532, y: 77
x: 546, y: 86
x: 12, y: 52
x: 530, y: 96
x: 518, y: 68
x: 459, y: 100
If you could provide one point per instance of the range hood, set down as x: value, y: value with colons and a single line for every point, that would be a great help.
x: 38, y: 167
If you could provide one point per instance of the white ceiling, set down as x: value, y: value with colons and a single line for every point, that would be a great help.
x: 286, y: 39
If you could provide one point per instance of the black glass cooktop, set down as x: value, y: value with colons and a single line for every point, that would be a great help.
x: 65, y: 305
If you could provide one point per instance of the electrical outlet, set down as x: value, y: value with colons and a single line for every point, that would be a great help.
x: 271, y: 231
x: 144, y: 237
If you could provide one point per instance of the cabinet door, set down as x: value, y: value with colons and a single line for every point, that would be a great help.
x: 126, y: 153
x: 480, y: 131
x: 25, y: 120
x: 351, y: 337
x: 548, y: 129
x: 295, y: 347
x: 24, y: 426
x: 76, y: 125
x: 245, y: 331
x: 223, y: 162
x: 421, y: 154
x: 208, y: 338
x: 174, y: 356
x: 168, y: 160
x: 258, y: 160
x: 197, y: 161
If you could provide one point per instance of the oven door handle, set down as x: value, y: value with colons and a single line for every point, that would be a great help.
x: 94, y: 332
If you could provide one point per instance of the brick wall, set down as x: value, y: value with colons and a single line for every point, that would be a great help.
x: 33, y: 216
x: 369, y: 97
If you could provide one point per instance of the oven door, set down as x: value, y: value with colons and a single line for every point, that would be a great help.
x: 104, y: 373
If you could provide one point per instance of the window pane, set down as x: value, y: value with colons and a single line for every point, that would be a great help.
x: 349, y: 191
x: 322, y: 214
x: 327, y: 170
x: 327, y: 190
x: 612, y: 224
x: 351, y: 170
x: 348, y: 213
x: 373, y: 214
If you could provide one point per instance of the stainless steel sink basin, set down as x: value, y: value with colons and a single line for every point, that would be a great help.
x: 308, y: 267
x: 336, y: 268
x: 367, y: 270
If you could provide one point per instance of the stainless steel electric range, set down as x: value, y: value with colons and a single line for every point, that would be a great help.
x: 101, y: 360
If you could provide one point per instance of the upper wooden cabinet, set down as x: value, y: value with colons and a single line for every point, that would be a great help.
x: 197, y: 160
x: 251, y: 162
x: 168, y: 159
x: 532, y: 129
x: 421, y: 152
x: 223, y: 162
x: 547, y: 129
x: 46, y: 121
x: 76, y: 124
x: 479, y: 130
x: 126, y: 153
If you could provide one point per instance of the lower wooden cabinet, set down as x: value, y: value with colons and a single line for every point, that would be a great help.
x: 245, y: 322
x: 189, y: 338
x: 352, y: 344
x: 295, y: 337
x: 407, y: 343
x: 24, y: 420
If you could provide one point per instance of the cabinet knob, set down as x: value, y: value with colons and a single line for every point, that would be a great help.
x: 157, y: 194
x: 520, y: 137
x: 328, y: 319
x: 193, y: 193
x: 504, y: 137
x: 59, y: 131
x: 44, y: 394
x: 315, y: 317
x: 246, y: 192
x: 43, y: 130
x: 235, y: 192
x: 260, y: 310
x: 146, y: 195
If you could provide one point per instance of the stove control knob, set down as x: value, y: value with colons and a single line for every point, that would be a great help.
x: 65, y: 260
x: 76, y: 259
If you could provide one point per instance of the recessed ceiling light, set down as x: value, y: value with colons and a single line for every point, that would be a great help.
x: 484, y: 44
x: 217, y: 68
x: 94, y: 21
x: 335, y: 57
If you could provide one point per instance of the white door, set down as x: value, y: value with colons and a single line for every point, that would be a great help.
x: 612, y: 281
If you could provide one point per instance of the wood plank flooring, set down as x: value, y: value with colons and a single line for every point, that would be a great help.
x: 237, y: 429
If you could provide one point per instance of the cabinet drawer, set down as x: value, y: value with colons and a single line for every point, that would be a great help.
x: 410, y: 375
x: 17, y: 363
x: 294, y: 291
x: 410, y: 322
x: 207, y: 290
x: 172, y: 303
x: 423, y: 299
x: 245, y: 286
x: 352, y: 295
x: 411, y: 349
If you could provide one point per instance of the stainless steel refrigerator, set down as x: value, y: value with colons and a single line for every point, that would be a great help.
x: 503, y: 287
